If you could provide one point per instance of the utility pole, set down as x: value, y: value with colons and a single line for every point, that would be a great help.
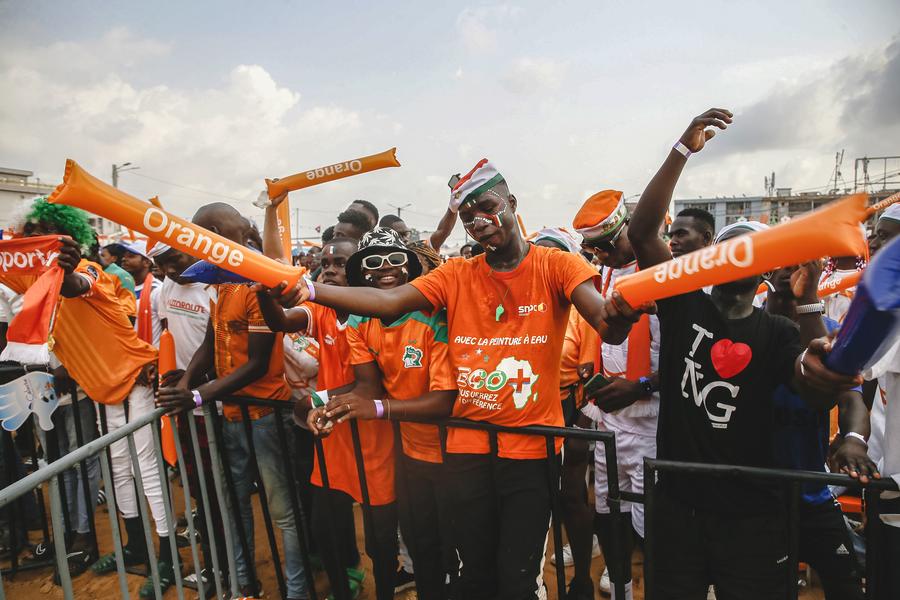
x: 116, y: 169
x: 400, y: 208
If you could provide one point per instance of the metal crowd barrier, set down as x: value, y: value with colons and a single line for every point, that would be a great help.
x: 224, y: 494
x: 789, y: 479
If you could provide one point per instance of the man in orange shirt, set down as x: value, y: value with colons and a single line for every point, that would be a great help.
x: 94, y: 340
x: 507, y: 312
x: 405, y: 357
x: 248, y: 360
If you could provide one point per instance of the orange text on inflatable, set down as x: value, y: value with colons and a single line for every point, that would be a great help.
x: 830, y: 231
x: 349, y: 168
x: 80, y: 189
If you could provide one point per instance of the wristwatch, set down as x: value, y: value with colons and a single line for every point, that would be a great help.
x: 646, y: 385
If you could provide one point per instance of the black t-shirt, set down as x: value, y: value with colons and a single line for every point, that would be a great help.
x: 717, y: 381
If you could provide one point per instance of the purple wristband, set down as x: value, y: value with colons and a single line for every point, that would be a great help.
x: 312, y: 290
x: 379, y: 409
x: 198, y: 399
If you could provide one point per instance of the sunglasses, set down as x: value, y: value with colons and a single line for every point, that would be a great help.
x: 376, y: 261
x: 607, y: 245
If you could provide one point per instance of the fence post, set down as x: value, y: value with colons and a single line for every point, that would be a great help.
x: 614, y: 501
x: 296, y: 505
x: 793, y: 539
x: 90, y: 503
x: 218, y: 470
x: 142, y: 509
x: 168, y: 508
x: 341, y: 587
x: 649, y: 526
x: 556, y: 514
x: 263, y: 500
x: 106, y: 472
x: 874, y: 542
x: 59, y: 539
x: 188, y: 509
x: 213, y: 418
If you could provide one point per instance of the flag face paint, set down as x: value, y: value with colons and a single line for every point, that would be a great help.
x: 33, y: 393
x: 349, y: 168
x: 81, y: 189
x: 830, y: 231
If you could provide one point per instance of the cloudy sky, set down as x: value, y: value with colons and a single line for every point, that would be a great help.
x: 567, y: 98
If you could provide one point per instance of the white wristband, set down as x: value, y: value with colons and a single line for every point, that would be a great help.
x: 808, y: 309
x: 682, y: 149
x: 858, y: 436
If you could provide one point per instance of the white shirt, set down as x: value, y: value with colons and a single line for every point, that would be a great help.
x: 836, y: 305
x: 639, y: 418
x: 887, y: 371
x: 10, y: 304
x: 186, y: 308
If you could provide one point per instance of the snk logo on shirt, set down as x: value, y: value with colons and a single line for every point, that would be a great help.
x: 412, y: 358
x: 728, y: 359
x: 329, y: 339
x: 528, y: 309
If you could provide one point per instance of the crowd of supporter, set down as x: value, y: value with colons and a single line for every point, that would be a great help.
x: 515, y: 330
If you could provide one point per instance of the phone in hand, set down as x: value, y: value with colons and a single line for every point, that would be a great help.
x: 595, y: 384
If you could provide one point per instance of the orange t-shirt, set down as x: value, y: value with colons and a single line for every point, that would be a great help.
x: 413, y: 358
x: 507, y: 370
x: 235, y: 314
x: 93, y: 337
x: 579, y: 348
x: 376, y: 438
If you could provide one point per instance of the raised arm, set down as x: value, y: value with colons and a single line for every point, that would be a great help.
x: 650, y: 213
x: 443, y: 231
x: 272, y: 246
x: 362, y: 301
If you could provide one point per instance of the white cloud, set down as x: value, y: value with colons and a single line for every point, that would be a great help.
x: 530, y: 75
x: 479, y: 28
x: 222, y: 139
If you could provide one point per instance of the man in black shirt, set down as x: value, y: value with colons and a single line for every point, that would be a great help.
x: 721, y: 360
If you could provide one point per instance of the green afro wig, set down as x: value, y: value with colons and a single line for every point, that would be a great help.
x: 68, y: 220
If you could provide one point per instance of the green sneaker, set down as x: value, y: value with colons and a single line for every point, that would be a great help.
x: 355, y: 589
x: 166, y: 580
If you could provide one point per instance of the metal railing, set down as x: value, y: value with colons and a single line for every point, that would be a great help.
x: 223, y: 496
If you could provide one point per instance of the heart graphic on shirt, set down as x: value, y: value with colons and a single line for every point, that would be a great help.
x: 728, y: 358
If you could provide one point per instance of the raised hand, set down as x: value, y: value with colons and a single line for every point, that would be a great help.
x: 697, y: 133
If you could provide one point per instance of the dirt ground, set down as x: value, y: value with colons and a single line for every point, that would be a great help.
x: 38, y: 584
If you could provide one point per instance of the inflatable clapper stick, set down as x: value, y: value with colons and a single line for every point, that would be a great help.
x: 80, y: 189
x: 829, y: 231
x: 167, y: 423
x: 872, y: 323
x: 348, y: 168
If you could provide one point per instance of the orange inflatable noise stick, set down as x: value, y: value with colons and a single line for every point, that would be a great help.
x: 348, y: 168
x: 833, y: 286
x: 829, y: 231
x: 82, y: 190
x: 167, y: 424
x: 892, y: 199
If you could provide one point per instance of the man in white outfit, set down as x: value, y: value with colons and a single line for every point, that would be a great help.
x: 628, y: 405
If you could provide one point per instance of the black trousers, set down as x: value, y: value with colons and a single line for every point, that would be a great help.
x: 501, y: 515
x: 333, y: 527
x: 426, y: 525
x: 890, y: 552
x: 744, y: 557
x: 826, y: 546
